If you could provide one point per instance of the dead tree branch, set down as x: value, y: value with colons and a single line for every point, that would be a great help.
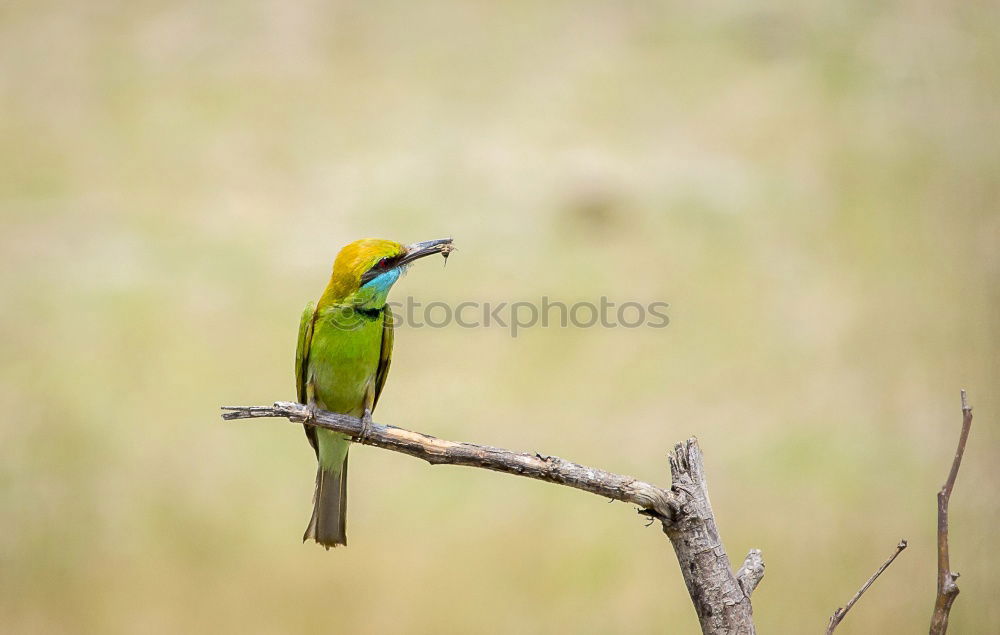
x: 657, y: 502
x: 839, y: 614
x: 947, y: 590
x: 721, y: 598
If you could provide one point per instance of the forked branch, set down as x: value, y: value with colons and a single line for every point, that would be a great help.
x: 721, y: 598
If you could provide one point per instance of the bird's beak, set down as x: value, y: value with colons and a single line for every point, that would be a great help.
x: 426, y: 248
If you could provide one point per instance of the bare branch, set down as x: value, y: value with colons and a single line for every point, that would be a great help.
x: 721, y: 598
x: 947, y: 590
x: 840, y: 613
x: 656, y: 502
x: 751, y: 573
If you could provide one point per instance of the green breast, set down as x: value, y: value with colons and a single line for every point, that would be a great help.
x: 343, y: 359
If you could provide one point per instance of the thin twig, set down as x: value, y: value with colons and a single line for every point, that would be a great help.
x: 840, y: 613
x: 947, y: 590
x: 655, y: 502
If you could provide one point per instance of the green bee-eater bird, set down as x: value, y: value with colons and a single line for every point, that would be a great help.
x: 342, y: 360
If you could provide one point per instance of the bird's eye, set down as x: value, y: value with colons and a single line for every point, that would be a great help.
x: 383, y: 263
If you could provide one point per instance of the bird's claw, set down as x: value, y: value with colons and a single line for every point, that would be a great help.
x: 311, y: 411
x: 366, y: 426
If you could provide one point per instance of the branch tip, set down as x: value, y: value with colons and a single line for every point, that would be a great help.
x: 752, y: 572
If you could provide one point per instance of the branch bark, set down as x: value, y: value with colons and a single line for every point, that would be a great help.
x: 947, y: 590
x: 839, y: 614
x: 656, y: 502
x: 752, y: 572
x: 721, y: 598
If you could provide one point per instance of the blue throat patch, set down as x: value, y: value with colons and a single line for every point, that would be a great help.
x: 375, y: 291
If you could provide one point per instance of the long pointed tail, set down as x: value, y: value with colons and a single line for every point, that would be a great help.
x: 328, y: 525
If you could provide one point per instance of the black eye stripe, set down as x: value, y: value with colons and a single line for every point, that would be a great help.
x: 378, y: 268
x: 385, y: 263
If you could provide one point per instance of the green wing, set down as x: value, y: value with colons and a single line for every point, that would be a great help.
x: 302, y: 362
x: 385, y: 355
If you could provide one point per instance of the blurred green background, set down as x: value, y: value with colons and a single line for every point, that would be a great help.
x: 813, y: 189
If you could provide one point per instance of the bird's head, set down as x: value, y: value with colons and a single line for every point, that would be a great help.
x: 366, y: 269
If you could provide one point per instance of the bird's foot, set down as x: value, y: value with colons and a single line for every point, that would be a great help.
x: 366, y: 426
x: 311, y: 411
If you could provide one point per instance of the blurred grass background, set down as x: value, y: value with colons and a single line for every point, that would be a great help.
x: 813, y: 189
